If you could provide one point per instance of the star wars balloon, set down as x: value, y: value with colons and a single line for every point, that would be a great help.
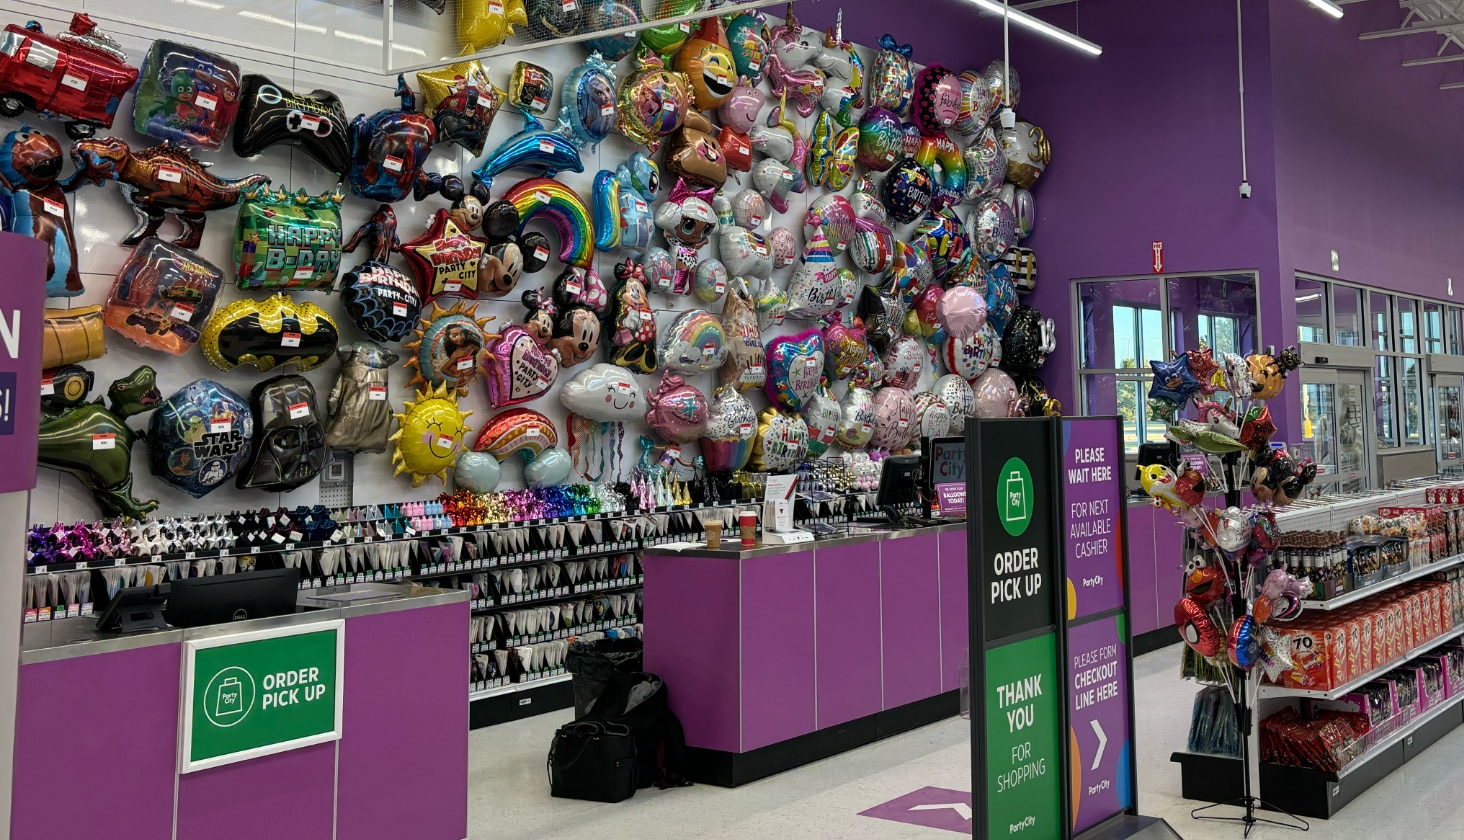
x: 199, y: 437
x: 781, y: 442
x: 605, y: 393
x: 856, y: 417
x: 360, y: 413
x: 32, y: 203
x: 270, y: 332
x: 272, y: 115
x: 726, y: 443
x: 289, y: 436
x: 678, y: 412
x: 381, y: 301
x: 795, y: 368
x: 186, y: 96
x: 162, y: 295
x: 389, y: 147
x: 431, y: 431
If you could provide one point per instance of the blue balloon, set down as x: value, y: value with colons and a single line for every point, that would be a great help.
x: 611, y: 14
x: 199, y: 437
x: 477, y: 471
x: 1173, y: 380
x: 1001, y: 298
x: 535, y: 148
x: 552, y: 467
x: 388, y: 148
x: 623, y: 199
x: 587, y: 109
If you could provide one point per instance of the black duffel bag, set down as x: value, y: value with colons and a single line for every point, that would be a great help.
x: 594, y: 761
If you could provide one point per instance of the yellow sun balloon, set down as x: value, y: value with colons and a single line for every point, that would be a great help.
x: 431, y: 432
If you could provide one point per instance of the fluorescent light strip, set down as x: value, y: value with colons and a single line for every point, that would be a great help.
x: 1327, y: 6
x: 1041, y: 26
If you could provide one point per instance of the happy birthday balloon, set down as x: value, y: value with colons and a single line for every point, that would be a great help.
x: 678, y: 412
x: 856, y: 417
x: 1005, y: 85
x: 962, y: 312
x: 996, y: 395
x: 904, y: 362
x: 821, y: 415
x: 882, y: 310
x: 923, y: 319
x: 937, y: 100
x: 945, y: 241
x: 894, y: 412
x: 908, y: 190
x: 985, y: 166
x: 958, y: 397
x: 795, y: 366
x: 1001, y: 299
x: 891, y: 80
x: 969, y: 358
x: 517, y: 367
x: 694, y: 343
x: 978, y: 104
x: 199, y: 437
x: 814, y: 289
x: 881, y: 139
x: 431, y: 431
x: 781, y: 442
x: 869, y: 375
x: 726, y: 443
x: 845, y: 346
x: 993, y: 228
x: 932, y: 418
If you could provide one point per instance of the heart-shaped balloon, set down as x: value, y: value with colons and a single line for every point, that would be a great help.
x: 993, y: 228
x: 678, y: 412
x: 746, y: 366
x: 873, y: 246
x: 894, y: 412
x: 606, y: 393
x: 856, y: 417
x: 821, y: 414
x: 781, y: 442
x: 996, y: 395
x: 726, y: 443
x: 958, y: 398
x: 834, y: 215
x: 969, y: 358
x: 517, y: 367
x: 904, y: 362
x: 962, y: 311
x: 694, y: 343
x: 744, y: 253
x: 844, y: 346
x: 932, y: 417
x: 795, y: 367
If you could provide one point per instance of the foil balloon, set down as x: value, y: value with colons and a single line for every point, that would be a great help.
x: 612, y: 14
x: 832, y: 153
x: 936, y: 101
x: 795, y: 368
x: 289, y: 436
x: 904, y: 362
x: 738, y: 113
x: 33, y: 204
x: 553, y: 467
x: 932, y: 418
x: 694, y: 343
x: 866, y: 205
x: 946, y: 243
x: 781, y: 442
x: 284, y: 241
x: 832, y: 216
x: 665, y: 39
x: 856, y: 417
x: 923, y: 319
x: 747, y: 39
x: 815, y: 289
x: 962, y: 312
x: 894, y: 413
x: 483, y: 24
x: 985, y: 166
x: 772, y: 305
x: 445, y: 259
x: 958, y: 397
x: 745, y: 253
x: 381, y: 301
x: 1027, y: 153
x: 1173, y: 380
x: 1197, y: 629
x: 1257, y: 428
x: 1005, y: 85
x: 883, y: 310
x: 1028, y: 340
x: 746, y: 365
x: 773, y: 179
x: 881, y: 139
x: 578, y: 287
x: 518, y: 368
x: 389, y: 147
x: 784, y: 246
x: 462, y: 103
x: 911, y: 270
x: 186, y: 96
x: 270, y: 332
x: 872, y: 247
x: 379, y: 234
x: 69, y: 442
x: 1001, y: 299
x: 908, y: 191
x: 431, y: 432
x: 792, y: 52
x: 1040, y: 401
x: 870, y: 374
x: 199, y: 437
x: 360, y: 412
x: 890, y: 79
x: 706, y: 59
x: 845, y: 346
x: 978, y: 104
x: 570, y: 333
x: 518, y: 431
x: 553, y: 19
x: 654, y: 101
x: 477, y: 472
x: 633, y: 340
x: 161, y: 297
x: 947, y: 167
x: 530, y: 87
x: 271, y: 115
x: 821, y: 415
x: 1023, y: 206
x: 1021, y: 266
x: 678, y: 412
x: 69, y: 386
x: 1268, y: 371
x: 622, y: 200
x: 694, y: 154
x: 605, y: 393
x: 710, y: 282
x: 843, y: 71
x: 587, y: 103
x: 996, y: 395
x: 534, y: 148
x: 726, y: 442
x: 687, y: 220
x: 446, y: 350
x: 993, y: 228
x: 566, y: 212
x: 156, y: 182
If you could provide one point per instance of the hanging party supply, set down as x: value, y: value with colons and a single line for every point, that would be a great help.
x: 285, y: 241
x: 445, y: 259
x: 587, y: 103
x: 32, y: 203
x: 359, y: 405
x: 199, y: 437
x: 795, y: 368
x: 431, y: 430
x: 462, y: 103
x: 94, y: 443
x: 745, y: 367
x: 622, y: 201
x: 518, y: 368
x: 186, y: 96
x: 272, y: 115
x: 162, y: 296
x: 268, y: 333
x: 389, y: 147
x: 678, y: 412
x: 792, y: 52
x: 565, y: 211
x: 606, y: 393
x: 447, y: 347
x: 726, y: 443
x: 289, y: 436
x: 781, y: 441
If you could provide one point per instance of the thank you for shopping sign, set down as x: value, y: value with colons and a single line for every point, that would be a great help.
x: 255, y: 694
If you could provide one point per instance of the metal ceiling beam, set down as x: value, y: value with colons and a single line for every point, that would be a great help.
x: 1431, y: 26
x: 1438, y: 59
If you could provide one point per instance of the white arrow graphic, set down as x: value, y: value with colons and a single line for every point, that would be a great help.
x: 959, y: 807
x: 1102, y: 743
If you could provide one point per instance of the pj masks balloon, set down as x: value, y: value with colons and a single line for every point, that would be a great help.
x: 389, y: 147
x: 289, y: 436
x: 33, y: 204
x: 199, y: 437
x: 186, y: 96
x: 272, y: 115
x: 706, y: 59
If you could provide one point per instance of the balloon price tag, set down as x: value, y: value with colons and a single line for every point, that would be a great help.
x: 289, y: 339
x: 684, y: 27
x: 720, y: 287
x: 170, y: 174
x: 376, y: 393
x: 465, y: 364
x: 673, y: 452
x: 607, y: 109
x: 452, y: 287
x: 541, y: 253
x: 573, y: 285
x: 866, y: 428
x: 531, y: 432
x: 296, y: 536
x: 221, y: 427
x: 904, y: 421
x: 539, y: 195
x: 206, y: 101
x: 107, y: 441
x: 399, y: 309
x: 309, y: 122
x: 744, y: 428
x: 74, y: 81
x: 181, y: 312
x: 567, y: 5
x: 669, y: 104
x: 546, y: 146
x: 444, y: 442
x: 495, y: 7
x: 299, y: 410
x: 392, y: 163
x: 55, y: 208
x: 304, y: 273
x: 48, y: 386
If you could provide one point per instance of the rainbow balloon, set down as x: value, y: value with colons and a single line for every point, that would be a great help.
x: 517, y: 430
x: 566, y: 211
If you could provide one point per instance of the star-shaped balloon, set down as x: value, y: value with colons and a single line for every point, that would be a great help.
x: 1173, y: 380
x: 445, y: 259
x: 1257, y: 428
x: 1204, y: 367
x: 1163, y: 408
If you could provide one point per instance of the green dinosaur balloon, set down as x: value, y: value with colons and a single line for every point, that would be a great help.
x: 93, y: 443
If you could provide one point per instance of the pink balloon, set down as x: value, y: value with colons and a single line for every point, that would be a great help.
x: 963, y: 312
x: 894, y: 411
x: 678, y: 412
x: 785, y: 247
x: 996, y: 395
x: 739, y: 110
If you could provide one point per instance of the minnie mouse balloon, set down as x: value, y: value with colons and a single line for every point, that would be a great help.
x: 958, y: 397
x: 904, y: 362
x: 633, y: 338
x: 678, y: 412
x: 605, y: 393
x: 821, y: 415
x: 962, y: 312
x: 856, y: 417
x: 795, y: 367
x: 726, y: 444
x: 694, y: 343
x: 781, y: 442
x: 894, y: 412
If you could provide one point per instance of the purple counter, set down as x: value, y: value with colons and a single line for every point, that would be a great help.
x: 778, y: 657
x: 99, y: 744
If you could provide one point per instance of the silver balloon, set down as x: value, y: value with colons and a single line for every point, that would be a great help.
x: 894, y: 414
x: 993, y: 228
x: 1027, y: 154
x: 904, y: 362
x: 1233, y: 531
x: 1023, y: 208
x: 932, y: 417
x: 477, y: 471
x: 750, y: 210
x: 551, y: 467
x: 821, y: 413
x: 985, y: 166
x: 856, y: 417
x: 727, y: 442
x: 996, y: 395
x: 978, y: 104
x: 996, y: 82
x: 604, y: 392
x: 969, y: 358
x: 957, y: 396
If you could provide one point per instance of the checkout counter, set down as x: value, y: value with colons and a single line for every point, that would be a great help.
x: 389, y: 761
x: 779, y: 656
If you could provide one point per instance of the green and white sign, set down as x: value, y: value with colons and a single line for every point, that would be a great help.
x: 1014, y: 496
x: 1024, y: 774
x: 254, y: 694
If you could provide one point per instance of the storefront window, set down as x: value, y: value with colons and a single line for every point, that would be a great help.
x: 1383, y: 402
x: 1311, y: 310
x: 1433, y: 327
x: 1380, y: 309
x: 1410, y: 374
x: 1346, y: 316
x: 1114, y: 323
x: 1407, y: 325
x: 1454, y: 324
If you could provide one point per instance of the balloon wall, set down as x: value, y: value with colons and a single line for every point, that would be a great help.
x: 750, y: 243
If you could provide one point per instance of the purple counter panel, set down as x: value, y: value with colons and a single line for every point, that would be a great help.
x: 847, y: 585
x: 693, y: 643
x: 65, y: 788
x: 287, y: 796
x: 954, y: 635
x: 910, y: 618
x: 777, y: 649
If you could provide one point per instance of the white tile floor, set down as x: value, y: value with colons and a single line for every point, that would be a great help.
x: 508, y: 794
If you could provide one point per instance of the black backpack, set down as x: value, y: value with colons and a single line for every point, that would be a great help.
x: 638, y: 702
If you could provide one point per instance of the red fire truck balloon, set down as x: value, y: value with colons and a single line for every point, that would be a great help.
x: 78, y: 77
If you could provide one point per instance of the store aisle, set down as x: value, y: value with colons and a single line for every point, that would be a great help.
x: 508, y: 793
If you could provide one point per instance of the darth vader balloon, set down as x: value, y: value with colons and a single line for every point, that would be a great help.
x: 199, y: 437
x: 389, y: 147
x: 270, y: 332
x: 273, y: 115
x: 33, y: 204
x: 289, y: 436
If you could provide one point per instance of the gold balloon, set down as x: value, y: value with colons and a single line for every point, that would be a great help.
x: 431, y: 432
x: 270, y: 332
x: 780, y: 443
x: 482, y: 24
x: 448, y: 347
x: 449, y: 90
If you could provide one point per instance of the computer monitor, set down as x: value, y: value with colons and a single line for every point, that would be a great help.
x: 945, y: 463
x: 135, y: 608
x: 220, y: 599
x: 899, y: 483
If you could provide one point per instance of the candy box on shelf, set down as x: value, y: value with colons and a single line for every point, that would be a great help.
x: 1375, y: 702
x: 1318, y: 654
x: 1406, y: 688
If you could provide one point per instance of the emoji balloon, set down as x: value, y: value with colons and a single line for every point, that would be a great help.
x: 431, y: 431
x: 706, y: 59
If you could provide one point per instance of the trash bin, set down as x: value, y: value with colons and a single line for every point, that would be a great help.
x: 593, y: 663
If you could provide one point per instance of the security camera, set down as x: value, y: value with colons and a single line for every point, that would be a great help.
x: 1245, y: 190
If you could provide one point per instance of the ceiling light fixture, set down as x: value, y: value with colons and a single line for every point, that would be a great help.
x: 1041, y: 26
x: 1327, y: 6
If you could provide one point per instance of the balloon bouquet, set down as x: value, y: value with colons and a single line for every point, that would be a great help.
x: 1234, y: 593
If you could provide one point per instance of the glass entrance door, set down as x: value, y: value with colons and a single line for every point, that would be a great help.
x: 1319, y: 424
x: 1354, y: 438
x: 1446, y: 398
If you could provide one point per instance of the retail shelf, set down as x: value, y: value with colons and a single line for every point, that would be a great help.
x: 1266, y: 691
x: 577, y: 590
x: 518, y: 686
x: 1402, y: 734
x: 1383, y: 586
x: 557, y: 635
x: 524, y: 558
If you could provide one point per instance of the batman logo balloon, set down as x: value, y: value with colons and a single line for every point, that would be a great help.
x: 268, y: 333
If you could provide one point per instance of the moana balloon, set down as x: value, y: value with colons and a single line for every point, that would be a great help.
x: 448, y: 345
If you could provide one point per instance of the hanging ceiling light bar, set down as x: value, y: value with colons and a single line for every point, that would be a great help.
x: 1039, y: 26
x: 1327, y: 6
